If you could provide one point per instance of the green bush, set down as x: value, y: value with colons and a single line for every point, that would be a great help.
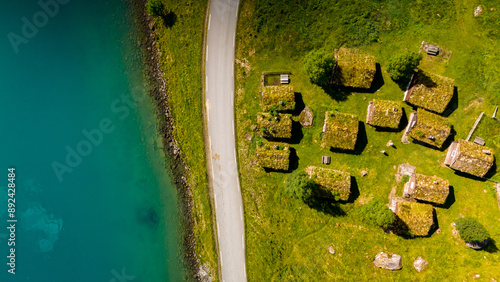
x: 259, y: 143
x: 403, y: 65
x: 318, y: 65
x: 156, y: 8
x: 299, y: 186
x: 406, y: 178
x: 377, y: 213
x: 471, y: 230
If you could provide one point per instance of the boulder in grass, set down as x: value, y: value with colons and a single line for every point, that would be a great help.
x: 420, y: 264
x: 306, y: 117
x: 388, y: 261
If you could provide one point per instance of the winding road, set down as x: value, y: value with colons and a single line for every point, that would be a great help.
x: 222, y: 165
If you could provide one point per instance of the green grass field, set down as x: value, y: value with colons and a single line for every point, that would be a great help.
x: 181, y: 47
x: 288, y: 240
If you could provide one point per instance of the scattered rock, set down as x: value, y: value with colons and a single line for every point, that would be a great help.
x: 331, y: 250
x: 485, y: 191
x: 477, y: 245
x: 388, y: 261
x: 306, y: 117
x: 249, y: 136
x: 478, y: 11
x: 420, y: 264
x: 389, y: 144
x: 253, y: 127
x: 364, y: 173
x: 438, y: 231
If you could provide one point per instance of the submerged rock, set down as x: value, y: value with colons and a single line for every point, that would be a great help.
x: 388, y: 261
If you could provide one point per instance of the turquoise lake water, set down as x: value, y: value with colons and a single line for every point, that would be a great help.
x: 93, y: 199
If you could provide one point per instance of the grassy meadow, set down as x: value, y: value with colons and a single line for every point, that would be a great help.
x: 288, y: 240
x: 181, y: 43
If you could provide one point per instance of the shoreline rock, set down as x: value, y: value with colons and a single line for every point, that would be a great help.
x: 150, y: 59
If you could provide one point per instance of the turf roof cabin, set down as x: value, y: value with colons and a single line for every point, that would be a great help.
x: 419, y: 218
x: 353, y: 69
x: 426, y: 188
x: 384, y: 114
x: 340, y: 131
x: 278, y: 98
x: 275, y: 126
x: 429, y: 128
x: 331, y: 182
x: 430, y: 91
x: 274, y: 155
x: 470, y: 158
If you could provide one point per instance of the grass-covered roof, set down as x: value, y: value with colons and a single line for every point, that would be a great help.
x: 384, y: 113
x: 419, y: 218
x: 430, y: 128
x: 340, y: 130
x: 275, y: 126
x: 279, y: 98
x: 354, y: 69
x: 431, y: 91
x: 274, y: 155
x: 331, y: 181
x: 431, y: 189
x: 472, y: 158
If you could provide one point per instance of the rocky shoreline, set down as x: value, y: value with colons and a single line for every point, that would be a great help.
x: 150, y: 56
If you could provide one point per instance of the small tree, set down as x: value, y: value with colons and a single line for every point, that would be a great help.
x: 403, y: 65
x: 300, y: 186
x: 377, y: 214
x: 470, y: 230
x: 318, y: 65
x: 156, y: 8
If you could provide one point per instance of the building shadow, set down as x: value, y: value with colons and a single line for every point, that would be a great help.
x: 299, y: 104
x: 450, y: 200
x: 354, y: 191
x: 378, y: 80
x: 362, y: 140
x: 297, y: 133
x: 294, y: 160
x: 453, y: 105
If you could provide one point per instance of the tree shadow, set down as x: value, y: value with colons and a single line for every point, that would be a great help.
x: 169, y: 19
x: 299, y: 104
x: 453, y: 104
x: 326, y: 206
x: 338, y: 94
x: 491, y: 247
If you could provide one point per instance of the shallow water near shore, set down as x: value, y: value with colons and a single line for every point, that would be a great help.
x: 93, y: 199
